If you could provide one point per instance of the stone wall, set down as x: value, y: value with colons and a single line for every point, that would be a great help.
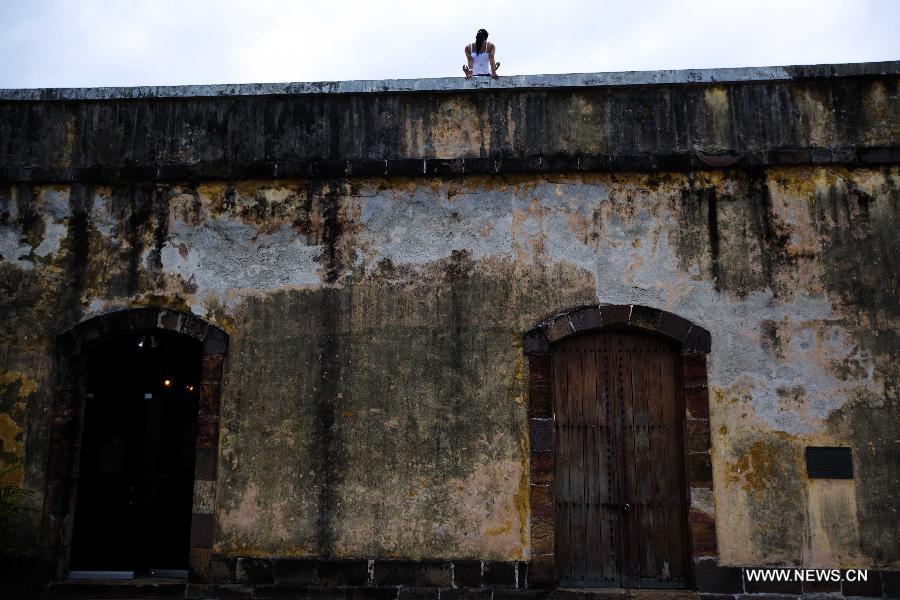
x: 374, y: 396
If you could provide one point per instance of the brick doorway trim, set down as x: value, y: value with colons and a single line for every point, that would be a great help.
x: 694, y: 345
x: 68, y: 422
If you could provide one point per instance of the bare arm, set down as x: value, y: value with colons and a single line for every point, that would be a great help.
x: 494, y: 65
x: 468, y: 70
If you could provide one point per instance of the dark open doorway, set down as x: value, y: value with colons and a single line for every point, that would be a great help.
x: 136, y: 471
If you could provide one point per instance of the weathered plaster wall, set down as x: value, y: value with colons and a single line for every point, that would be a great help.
x: 373, y: 396
x: 377, y: 253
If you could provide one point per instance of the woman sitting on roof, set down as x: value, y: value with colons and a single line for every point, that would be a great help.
x: 480, y: 57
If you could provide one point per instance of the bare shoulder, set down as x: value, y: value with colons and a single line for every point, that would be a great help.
x: 491, y: 47
x: 468, y: 49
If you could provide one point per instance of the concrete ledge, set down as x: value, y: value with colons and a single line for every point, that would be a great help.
x: 455, y: 84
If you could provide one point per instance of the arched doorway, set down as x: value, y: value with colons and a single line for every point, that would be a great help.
x: 620, y: 475
x: 136, y: 470
x: 131, y: 477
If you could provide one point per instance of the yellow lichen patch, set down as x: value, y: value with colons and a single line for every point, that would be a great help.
x: 885, y: 128
x: 217, y: 312
x: 457, y: 126
x: 717, y: 105
x: 213, y: 192
x: 170, y: 301
x: 65, y: 157
x: 187, y: 207
x: 27, y: 385
x: 516, y: 388
x: 813, y: 116
x: 589, y: 138
x: 11, y: 443
x: 494, y: 531
x: 523, y: 496
x: 757, y: 469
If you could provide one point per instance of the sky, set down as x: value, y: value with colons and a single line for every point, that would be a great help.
x: 89, y: 43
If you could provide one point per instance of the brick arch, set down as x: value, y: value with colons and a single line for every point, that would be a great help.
x: 693, y: 338
x: 68, y: 421
x: 694, y: 344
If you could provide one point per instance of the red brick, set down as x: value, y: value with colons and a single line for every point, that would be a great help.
x: 703, y: 539
x: 697, y: 436
x: 212, y: 368
x: 540, y: 401
x: 206, y: 464
x: 542, y: 535
x: 694, y: 370
x: 697, y: 402
x: 201, y: 531
x: 541, y: 502
x: 207, y: 432
x: 542, y: 467
x: 540, y: 368
x: 540, y: 571
x: 541, y: 435
x: 210, y: 399
x: 698, y: 516
x: 199, y: 564
x: 698, y: 340
x: 699, y: 470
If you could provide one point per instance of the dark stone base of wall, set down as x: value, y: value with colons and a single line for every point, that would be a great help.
x: 321, y: 579
x: 717, y: 582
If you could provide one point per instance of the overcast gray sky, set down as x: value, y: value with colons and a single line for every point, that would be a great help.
x: 63, y: 43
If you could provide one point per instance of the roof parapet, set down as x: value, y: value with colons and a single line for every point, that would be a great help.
x: 457, y: 84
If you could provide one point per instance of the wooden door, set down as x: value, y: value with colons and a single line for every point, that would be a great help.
x: 620, y: 495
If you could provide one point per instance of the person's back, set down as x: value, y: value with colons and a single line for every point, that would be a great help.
x: 480, y: 57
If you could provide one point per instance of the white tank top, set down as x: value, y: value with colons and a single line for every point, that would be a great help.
x: 481, y: 62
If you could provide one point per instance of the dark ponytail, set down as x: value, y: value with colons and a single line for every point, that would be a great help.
x: 480, y: 39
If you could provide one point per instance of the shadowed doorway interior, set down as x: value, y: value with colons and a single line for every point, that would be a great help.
x: 136, y: 471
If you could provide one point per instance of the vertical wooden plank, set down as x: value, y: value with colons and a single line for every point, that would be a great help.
x: 620, y: 475
x: 630, y: 473
x: 561, y: 479
x: 643, y: 501
x: 659, y: 459
x: 593, y: 463
x: 674, y: 415
x: 570, y: 467
x: 608, y: 541
x: 576, y: 458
